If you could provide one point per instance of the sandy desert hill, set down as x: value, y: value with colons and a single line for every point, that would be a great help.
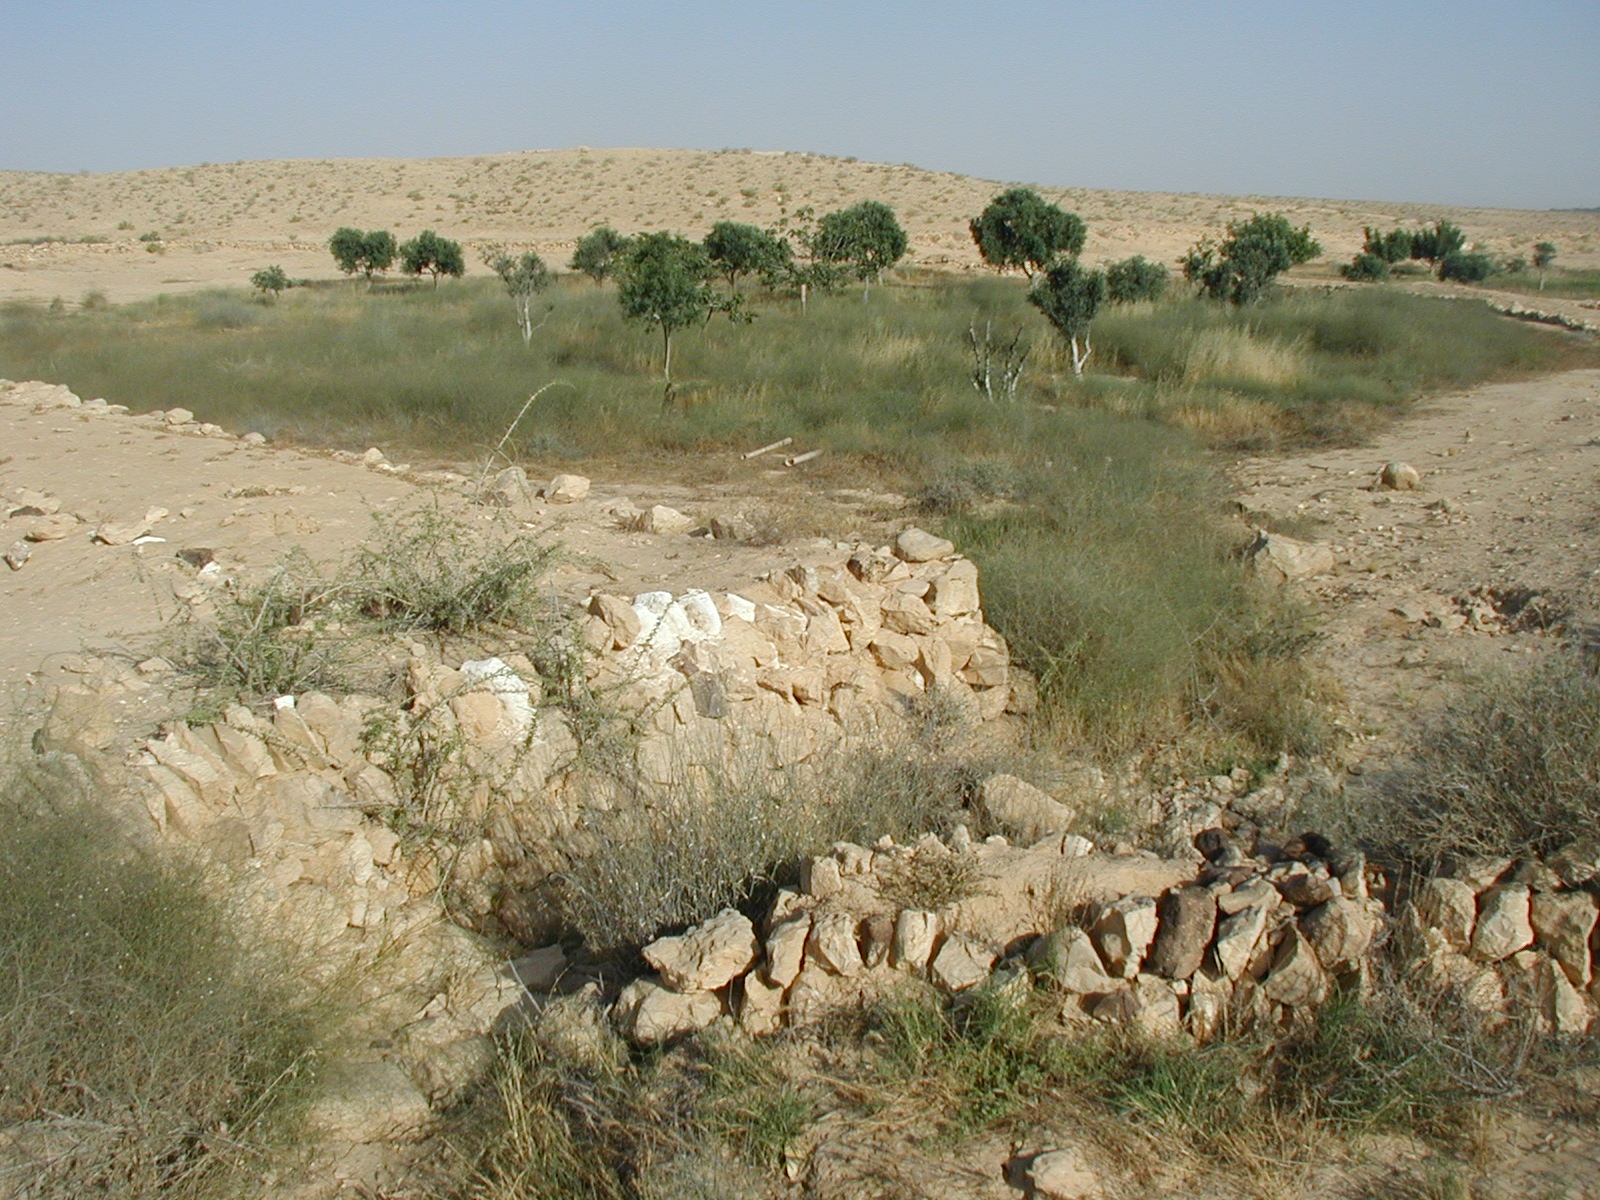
x: 218, y: 222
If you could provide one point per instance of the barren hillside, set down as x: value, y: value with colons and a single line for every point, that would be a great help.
x: 217, y: 222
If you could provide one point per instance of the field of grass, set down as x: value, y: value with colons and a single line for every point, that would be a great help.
x: 1559, y: 282
x: 1090, y: 505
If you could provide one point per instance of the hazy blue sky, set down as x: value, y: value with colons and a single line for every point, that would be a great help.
x: 1473, y: 102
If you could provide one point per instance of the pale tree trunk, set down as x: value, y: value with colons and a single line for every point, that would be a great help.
x: 1080, y: 355
x: 525, y: 318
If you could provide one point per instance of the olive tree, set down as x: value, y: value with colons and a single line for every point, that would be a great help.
x: 806, y: 269
x: 865, y: 237
x: 736, y: 249
x: 1544, y: 257
x: 1434, y: 246
x: 665, y: 281
x: 366, y: 252
x: 1021, y: 229
x: 434, y: 254
x: 1254, y: 253
x: 269, y: 281
x: 525, y: 276
x: 599, y: 253
x: 1069, y: 297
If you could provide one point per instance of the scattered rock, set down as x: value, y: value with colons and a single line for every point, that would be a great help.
x: 566, y: 489
x: 177, y: 416
x: 1062, y: 1175
x: 51, y: 528
x: 1282, y: 559
x: 120, y: 533
x: 1400, y: 477
x: 660, y: 519
x: 19, y: 554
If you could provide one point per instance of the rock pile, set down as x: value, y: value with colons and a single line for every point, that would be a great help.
x: 1517, y: 937
x: 1147, y: 942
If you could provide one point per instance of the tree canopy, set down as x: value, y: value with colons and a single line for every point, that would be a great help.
x: 366, y: 252
x: 736, y: 249
x: 865, y: 236
x: 434, y: 254
x: 599, y: 252
x: 1135, y: 278
x: 1434, y: 246
x: 1254, y: 253
x: 1020, y: 229
x: 269, y: 280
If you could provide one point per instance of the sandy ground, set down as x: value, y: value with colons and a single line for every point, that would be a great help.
x: 220, y: 222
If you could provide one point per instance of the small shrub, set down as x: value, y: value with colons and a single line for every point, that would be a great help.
x: 267, y: 641
x: 429, y: 569
x: 1366, y: 268
x: 1512, y: 769
x: 1466, y: 267
x: 929, y: 880
x: 1134, y: 279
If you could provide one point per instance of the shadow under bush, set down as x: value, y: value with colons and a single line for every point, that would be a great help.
x: 148, y: 1046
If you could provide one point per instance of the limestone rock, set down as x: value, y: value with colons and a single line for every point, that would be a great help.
x: 918, y: 546
x: 1020, y: 810
x: 820, y: 877
x: 1504, y: 923
x: 915, y: 932
x: 1187, y: 916
x: 1561, y: 1005
x: 566, y: 489
x: 955, y: 593
x: 1341, y: 931
x: 1238, y: 937
x: 877, y: 939
x: 509, y: 488
x: 786, y: 949
x: 1400, y: 477
x: 833, y: 944
x: 1297, y: 978
x: 1563, y: 923
x: 120, y: 533
x: 620, y: 619
x: 1576, y: 863
x: 18, y: 555
x: 760, y: 1005
x: 1062, y: 1175
x: 1451, y: 907
x: 1123, y: 933
x: 733, y: 527
x: 708, y: 956
x: 660, y: 519
x: 540, y: 970
x: 369, y: 1102
x: 1068, y: 957
x: 50, y: 528
x: 650, y: 1014
x: 1282, y: 559
x: 961, y: 963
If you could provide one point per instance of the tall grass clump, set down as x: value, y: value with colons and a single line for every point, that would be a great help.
x: 150, y: 1045
x: 1512, y: 768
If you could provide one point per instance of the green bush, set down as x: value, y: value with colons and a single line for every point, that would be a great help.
x: 150, y: 1044
x: 1464, y: 267
x: 1134, y: 279
x: 1366, y: 268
